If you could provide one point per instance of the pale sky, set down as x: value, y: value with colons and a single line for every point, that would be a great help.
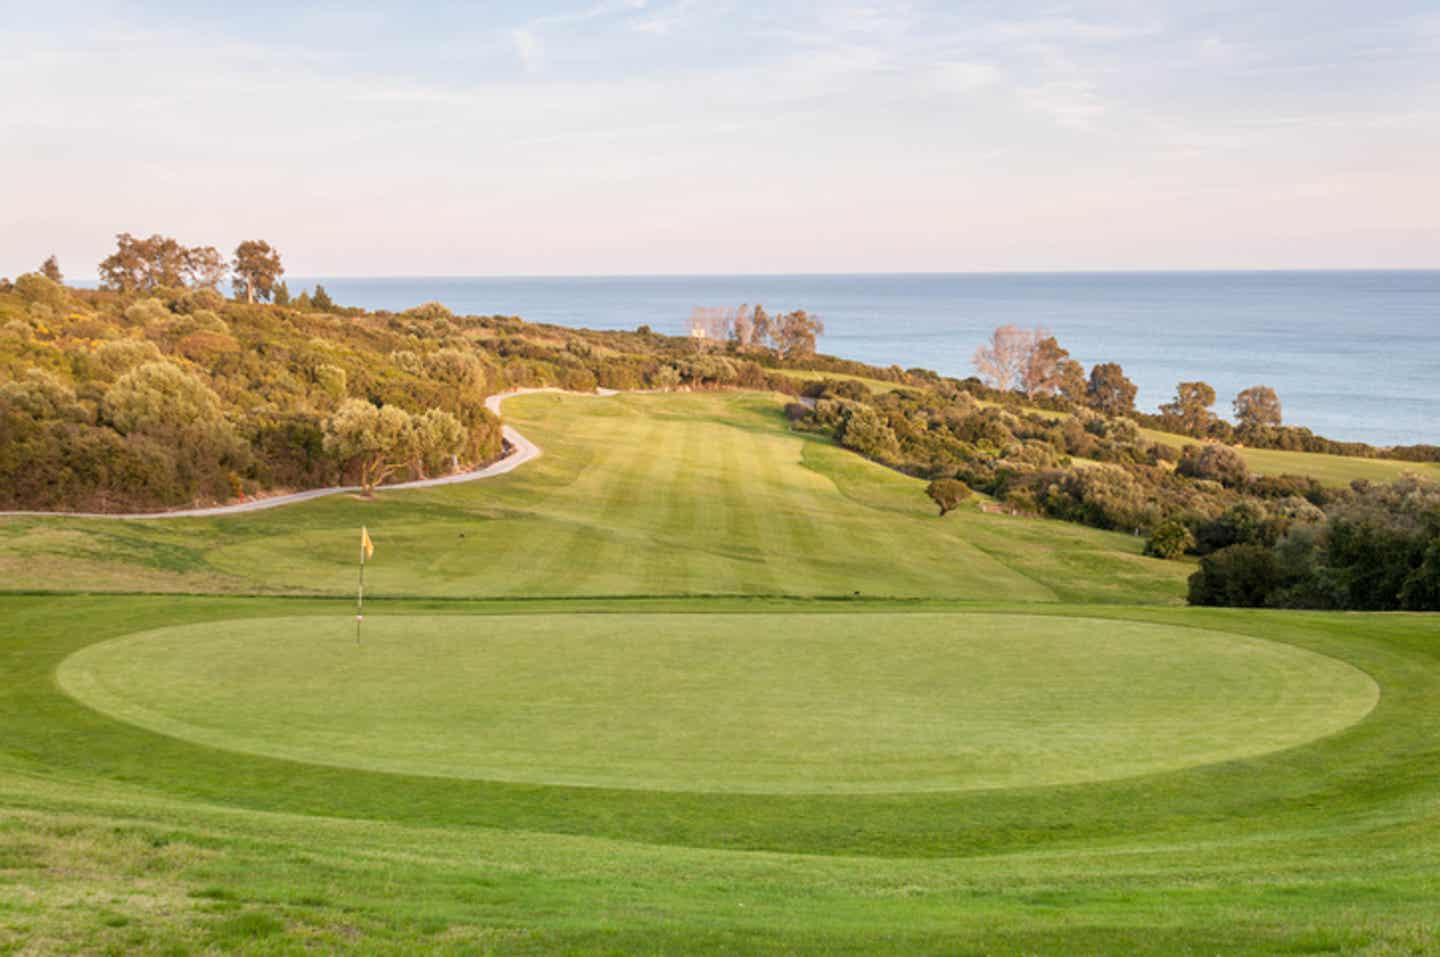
x: 695, y: 136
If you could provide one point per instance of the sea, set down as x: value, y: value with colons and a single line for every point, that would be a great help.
x: 1354, y: 355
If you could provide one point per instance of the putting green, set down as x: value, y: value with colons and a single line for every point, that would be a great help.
x: 752, y: 703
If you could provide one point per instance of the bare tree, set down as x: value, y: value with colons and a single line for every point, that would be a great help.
x: 742, y: 327
x: 1002, y: 362
x: 709, y: 326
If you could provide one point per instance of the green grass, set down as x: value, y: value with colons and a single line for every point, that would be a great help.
x: 1333, y: 470
x: 1327, y: 845
x: 760, y: 703
x: 635, y: 495
x: 640, y: 708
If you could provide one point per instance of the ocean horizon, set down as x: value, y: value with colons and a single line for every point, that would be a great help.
x: 1353, y: 354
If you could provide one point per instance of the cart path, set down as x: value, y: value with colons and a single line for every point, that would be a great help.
x: 522, y: 450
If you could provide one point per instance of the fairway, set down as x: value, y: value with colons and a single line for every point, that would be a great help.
x: 749, y: 703
x: 701, y: 494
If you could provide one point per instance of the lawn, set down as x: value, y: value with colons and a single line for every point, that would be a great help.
x: 692, y: 683
x: 114, y: 836
x: 823, y: 703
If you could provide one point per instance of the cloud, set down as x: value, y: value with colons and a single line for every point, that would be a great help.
x: 527, y: 48
x: 661, y: 22
x: 959, y: 76
x: 1073, y: 104
x: 1067, y: 28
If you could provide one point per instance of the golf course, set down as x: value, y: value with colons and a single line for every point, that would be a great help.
x: 692, y: 681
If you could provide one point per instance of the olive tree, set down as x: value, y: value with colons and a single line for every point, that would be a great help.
x: 381, y: 441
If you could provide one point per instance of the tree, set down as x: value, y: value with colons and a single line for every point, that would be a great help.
x: 1257, y: 407
x: 1190, y: 409
x: 257, y: 268
x: 794, y: 333
x: 762, y: 325
x: 1109, y: 391
x: 439, y: 437
x: 1049, y: 370
x: 50, y: 269
x: 205, y: 267
x: 1002, y: 362
x: 380, y: 441
x: 321, y: 299
x: 140, y: 265
x: 947, y: 493
x: 282, y: 294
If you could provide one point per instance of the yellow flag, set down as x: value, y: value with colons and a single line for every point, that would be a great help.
x: 366, y: 546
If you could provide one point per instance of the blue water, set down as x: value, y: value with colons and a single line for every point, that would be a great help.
x: 1353, y: 355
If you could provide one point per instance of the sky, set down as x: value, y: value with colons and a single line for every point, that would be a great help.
x: 607, y: 137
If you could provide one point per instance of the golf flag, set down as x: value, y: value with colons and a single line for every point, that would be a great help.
x: 367, y: 549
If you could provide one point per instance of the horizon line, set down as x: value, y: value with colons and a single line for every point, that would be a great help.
x: 1197, y: 271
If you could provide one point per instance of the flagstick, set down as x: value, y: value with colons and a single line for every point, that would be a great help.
x: 360, y: 596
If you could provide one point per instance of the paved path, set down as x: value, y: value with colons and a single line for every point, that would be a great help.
x: 522, y: 450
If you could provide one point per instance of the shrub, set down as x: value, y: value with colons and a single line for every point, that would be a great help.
x: 147, y: 312
x: 1218, y: 463
x: 1239, y: 576
x: 35, y: 289
x: 947, y: 493
x: 1170, y: 540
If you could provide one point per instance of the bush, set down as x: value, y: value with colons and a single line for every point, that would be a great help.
x: 1170, y: 540
x: 947, y: 493
x: 35, y: 289
x: 1217, y: 463
x: 1240, y: 576
x: 147, y: 312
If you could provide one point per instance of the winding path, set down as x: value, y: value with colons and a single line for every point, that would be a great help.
x: 522, y: 450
